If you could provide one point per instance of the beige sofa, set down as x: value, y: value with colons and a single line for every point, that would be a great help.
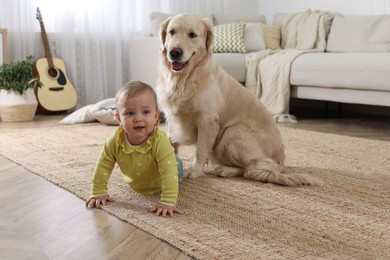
x: 355, y: 68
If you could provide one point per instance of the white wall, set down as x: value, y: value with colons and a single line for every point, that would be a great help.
x: 229, y: 7
x: 347, y: 7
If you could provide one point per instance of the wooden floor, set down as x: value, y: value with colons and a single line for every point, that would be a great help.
x: 39, y: 220
x: 326, y: 118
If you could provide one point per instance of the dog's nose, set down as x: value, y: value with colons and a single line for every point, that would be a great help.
x: 176, y: 53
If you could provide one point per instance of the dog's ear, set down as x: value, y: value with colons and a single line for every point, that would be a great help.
x: 163, y: 32
x: 209, y: 35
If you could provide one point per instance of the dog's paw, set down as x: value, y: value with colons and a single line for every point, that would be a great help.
x: 186, y: 173
x: 228, y: 172
x: 191, y: 174
x: 219, y: 172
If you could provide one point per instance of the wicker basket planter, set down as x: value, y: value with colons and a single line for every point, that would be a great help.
x: 17, y: 96
x: 15, y: 107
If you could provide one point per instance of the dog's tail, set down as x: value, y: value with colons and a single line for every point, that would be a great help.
x: 269, y: 171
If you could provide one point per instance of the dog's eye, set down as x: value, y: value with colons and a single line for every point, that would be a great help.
x: 192, y: 35
x: 172, y: 32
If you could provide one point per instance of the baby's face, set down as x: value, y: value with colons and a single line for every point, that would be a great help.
x: 138, y: 116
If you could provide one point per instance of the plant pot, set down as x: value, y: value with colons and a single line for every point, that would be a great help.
x: 15, y: 107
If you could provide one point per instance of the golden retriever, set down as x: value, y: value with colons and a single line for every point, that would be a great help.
x: 205, y: 106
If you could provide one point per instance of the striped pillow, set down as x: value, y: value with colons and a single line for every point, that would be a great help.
x: 229, y: 38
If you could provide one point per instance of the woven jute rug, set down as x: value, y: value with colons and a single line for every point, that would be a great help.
x: 347, y: 218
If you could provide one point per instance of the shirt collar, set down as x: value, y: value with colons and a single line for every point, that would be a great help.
x: 129, y: 148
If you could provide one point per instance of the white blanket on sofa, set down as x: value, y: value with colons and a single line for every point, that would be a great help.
x: 268, y: 71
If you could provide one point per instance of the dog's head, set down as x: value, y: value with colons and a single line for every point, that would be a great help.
x: 186, y: 40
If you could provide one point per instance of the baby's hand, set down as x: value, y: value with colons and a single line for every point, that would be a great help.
x: 99, y: 201
x: 162, y: 209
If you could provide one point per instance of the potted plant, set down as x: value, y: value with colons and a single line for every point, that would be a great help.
x: 17, y: 97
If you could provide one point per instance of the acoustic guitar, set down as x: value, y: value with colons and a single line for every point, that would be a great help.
x: 57, y: 92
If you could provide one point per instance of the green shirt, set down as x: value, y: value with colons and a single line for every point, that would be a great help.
x: 148, y: 168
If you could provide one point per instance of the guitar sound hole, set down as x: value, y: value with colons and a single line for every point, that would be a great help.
x: 53, y: 72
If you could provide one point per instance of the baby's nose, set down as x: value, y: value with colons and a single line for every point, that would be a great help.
x: 137, y: 118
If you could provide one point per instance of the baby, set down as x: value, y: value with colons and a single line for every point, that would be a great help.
x: 142, y: 151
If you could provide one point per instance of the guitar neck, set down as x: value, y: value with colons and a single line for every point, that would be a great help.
x: 46, y: 45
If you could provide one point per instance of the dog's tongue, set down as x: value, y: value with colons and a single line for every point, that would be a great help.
x: 177, y: 65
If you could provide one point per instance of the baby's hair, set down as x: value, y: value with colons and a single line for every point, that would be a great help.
x: 133, y: 88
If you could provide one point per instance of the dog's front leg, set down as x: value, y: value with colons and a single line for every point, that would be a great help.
x: 208, y: 129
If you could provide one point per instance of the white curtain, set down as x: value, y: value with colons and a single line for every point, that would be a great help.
x: 91, y: 36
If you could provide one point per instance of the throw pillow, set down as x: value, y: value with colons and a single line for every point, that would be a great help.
x: 106, y: 115
x: 272, y: 36
x: 103, y: 111
x: 229, y: 38
x: 253, y: 38
x: 81, y: 115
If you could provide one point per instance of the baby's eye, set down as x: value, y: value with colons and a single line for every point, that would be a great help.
x: 146, y: 112
x: 129, y: 113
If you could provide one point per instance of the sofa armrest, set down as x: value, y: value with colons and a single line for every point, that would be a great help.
x: 144, y: 59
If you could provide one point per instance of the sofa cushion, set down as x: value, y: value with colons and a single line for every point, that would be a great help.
x: 278, y: 18
x: 233, y: 64
x: 224, y: 18
x: 359, y: 34
x: 365, y: 71
x: 229, y: 37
